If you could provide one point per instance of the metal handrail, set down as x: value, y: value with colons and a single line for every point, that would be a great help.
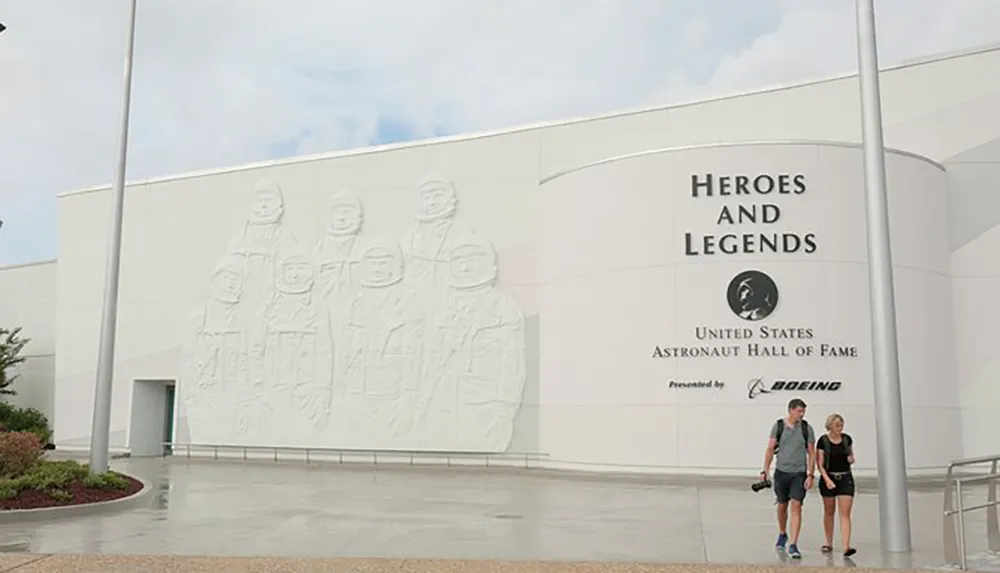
x: 954, y: 517
x: 169, y: 448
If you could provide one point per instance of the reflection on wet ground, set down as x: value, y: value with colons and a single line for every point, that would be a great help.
x: 260, y: 508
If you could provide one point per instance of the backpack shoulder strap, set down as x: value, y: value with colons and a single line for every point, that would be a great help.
x: 826, y: 446
x: 805, y: 431
x: 779, y: 427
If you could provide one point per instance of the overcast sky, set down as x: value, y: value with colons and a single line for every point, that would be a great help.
x: 222, y: 82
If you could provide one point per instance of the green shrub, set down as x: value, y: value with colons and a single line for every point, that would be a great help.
x: 47, y: 475
x: 60, y: 495
x: 53, y: 475
x: 117, y: 481
x: 19, y: 452
x: 106, y: 480
x: 53, y: 478
x: 32, y: 420
x: 8, y: 491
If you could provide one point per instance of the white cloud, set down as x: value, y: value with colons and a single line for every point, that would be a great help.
x: 227, y: 81
x: 816, y: 38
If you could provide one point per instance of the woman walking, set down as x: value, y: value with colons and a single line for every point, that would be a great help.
x: 835, y: 453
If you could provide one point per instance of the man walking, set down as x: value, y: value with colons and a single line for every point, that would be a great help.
x: 793, y: 442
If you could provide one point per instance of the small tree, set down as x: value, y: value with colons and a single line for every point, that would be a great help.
x: 11, y: 345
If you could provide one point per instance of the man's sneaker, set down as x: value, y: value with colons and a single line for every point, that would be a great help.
x: 782, y: 540
x: 793, y: 552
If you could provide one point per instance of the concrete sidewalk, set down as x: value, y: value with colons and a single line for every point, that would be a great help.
x: 139, y: 564
x: 256, y: 510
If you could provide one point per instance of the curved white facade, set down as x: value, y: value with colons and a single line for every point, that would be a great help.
x: 571, y: 289
x: 662, y: 346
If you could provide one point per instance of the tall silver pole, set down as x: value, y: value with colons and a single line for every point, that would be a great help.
x: 894, y: 506
x: 100, y: 433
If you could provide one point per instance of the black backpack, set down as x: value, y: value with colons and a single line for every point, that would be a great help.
x: 824, y: 442
x: 780, y: 428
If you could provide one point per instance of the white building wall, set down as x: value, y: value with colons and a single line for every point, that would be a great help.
x: 27, y: 299
x: 177, y: 229
x: 624, y: 292
x: 975, y: 214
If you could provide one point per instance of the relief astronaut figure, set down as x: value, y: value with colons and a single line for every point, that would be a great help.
x: 261, y: 239
x: 381, y: 355
x: 300, y: 359
x: 214, y: 359
x: 338, y: 257
x: 338, y: 253
x: 427, y: 244
x: 475, y: 358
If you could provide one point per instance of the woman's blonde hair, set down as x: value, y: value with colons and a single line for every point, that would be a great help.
x: 833, y: 418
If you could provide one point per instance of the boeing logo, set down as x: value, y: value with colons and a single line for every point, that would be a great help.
x: 756, y: 386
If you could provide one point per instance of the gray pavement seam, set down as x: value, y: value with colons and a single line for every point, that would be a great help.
x: 701, y: 526
x: 25, y: 564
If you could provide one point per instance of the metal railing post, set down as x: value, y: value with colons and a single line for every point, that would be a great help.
x: 992, y: 524
x: 954, y: 541
x: 962, y: 559
x: 950, y: 539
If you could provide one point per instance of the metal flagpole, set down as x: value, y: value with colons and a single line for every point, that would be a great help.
x: 100, y: 433
x: 894, y: 506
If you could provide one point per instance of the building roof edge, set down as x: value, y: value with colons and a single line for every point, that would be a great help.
x: 533, y: 126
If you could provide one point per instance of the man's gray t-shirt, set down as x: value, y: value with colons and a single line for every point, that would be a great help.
x: 793, y: 452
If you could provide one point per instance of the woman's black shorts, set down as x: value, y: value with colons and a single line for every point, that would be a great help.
x: 843, y: 484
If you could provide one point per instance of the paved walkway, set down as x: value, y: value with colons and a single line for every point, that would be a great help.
x: 73, y: 564
x: 268, y: 509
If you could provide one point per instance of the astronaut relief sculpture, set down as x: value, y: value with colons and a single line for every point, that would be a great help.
x: 368, y: 343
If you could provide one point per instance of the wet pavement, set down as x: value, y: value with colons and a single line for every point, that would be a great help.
x: 275, y: 509
x: 127, y: 564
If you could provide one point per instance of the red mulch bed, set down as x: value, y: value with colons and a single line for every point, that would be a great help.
x: 33, y: 499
